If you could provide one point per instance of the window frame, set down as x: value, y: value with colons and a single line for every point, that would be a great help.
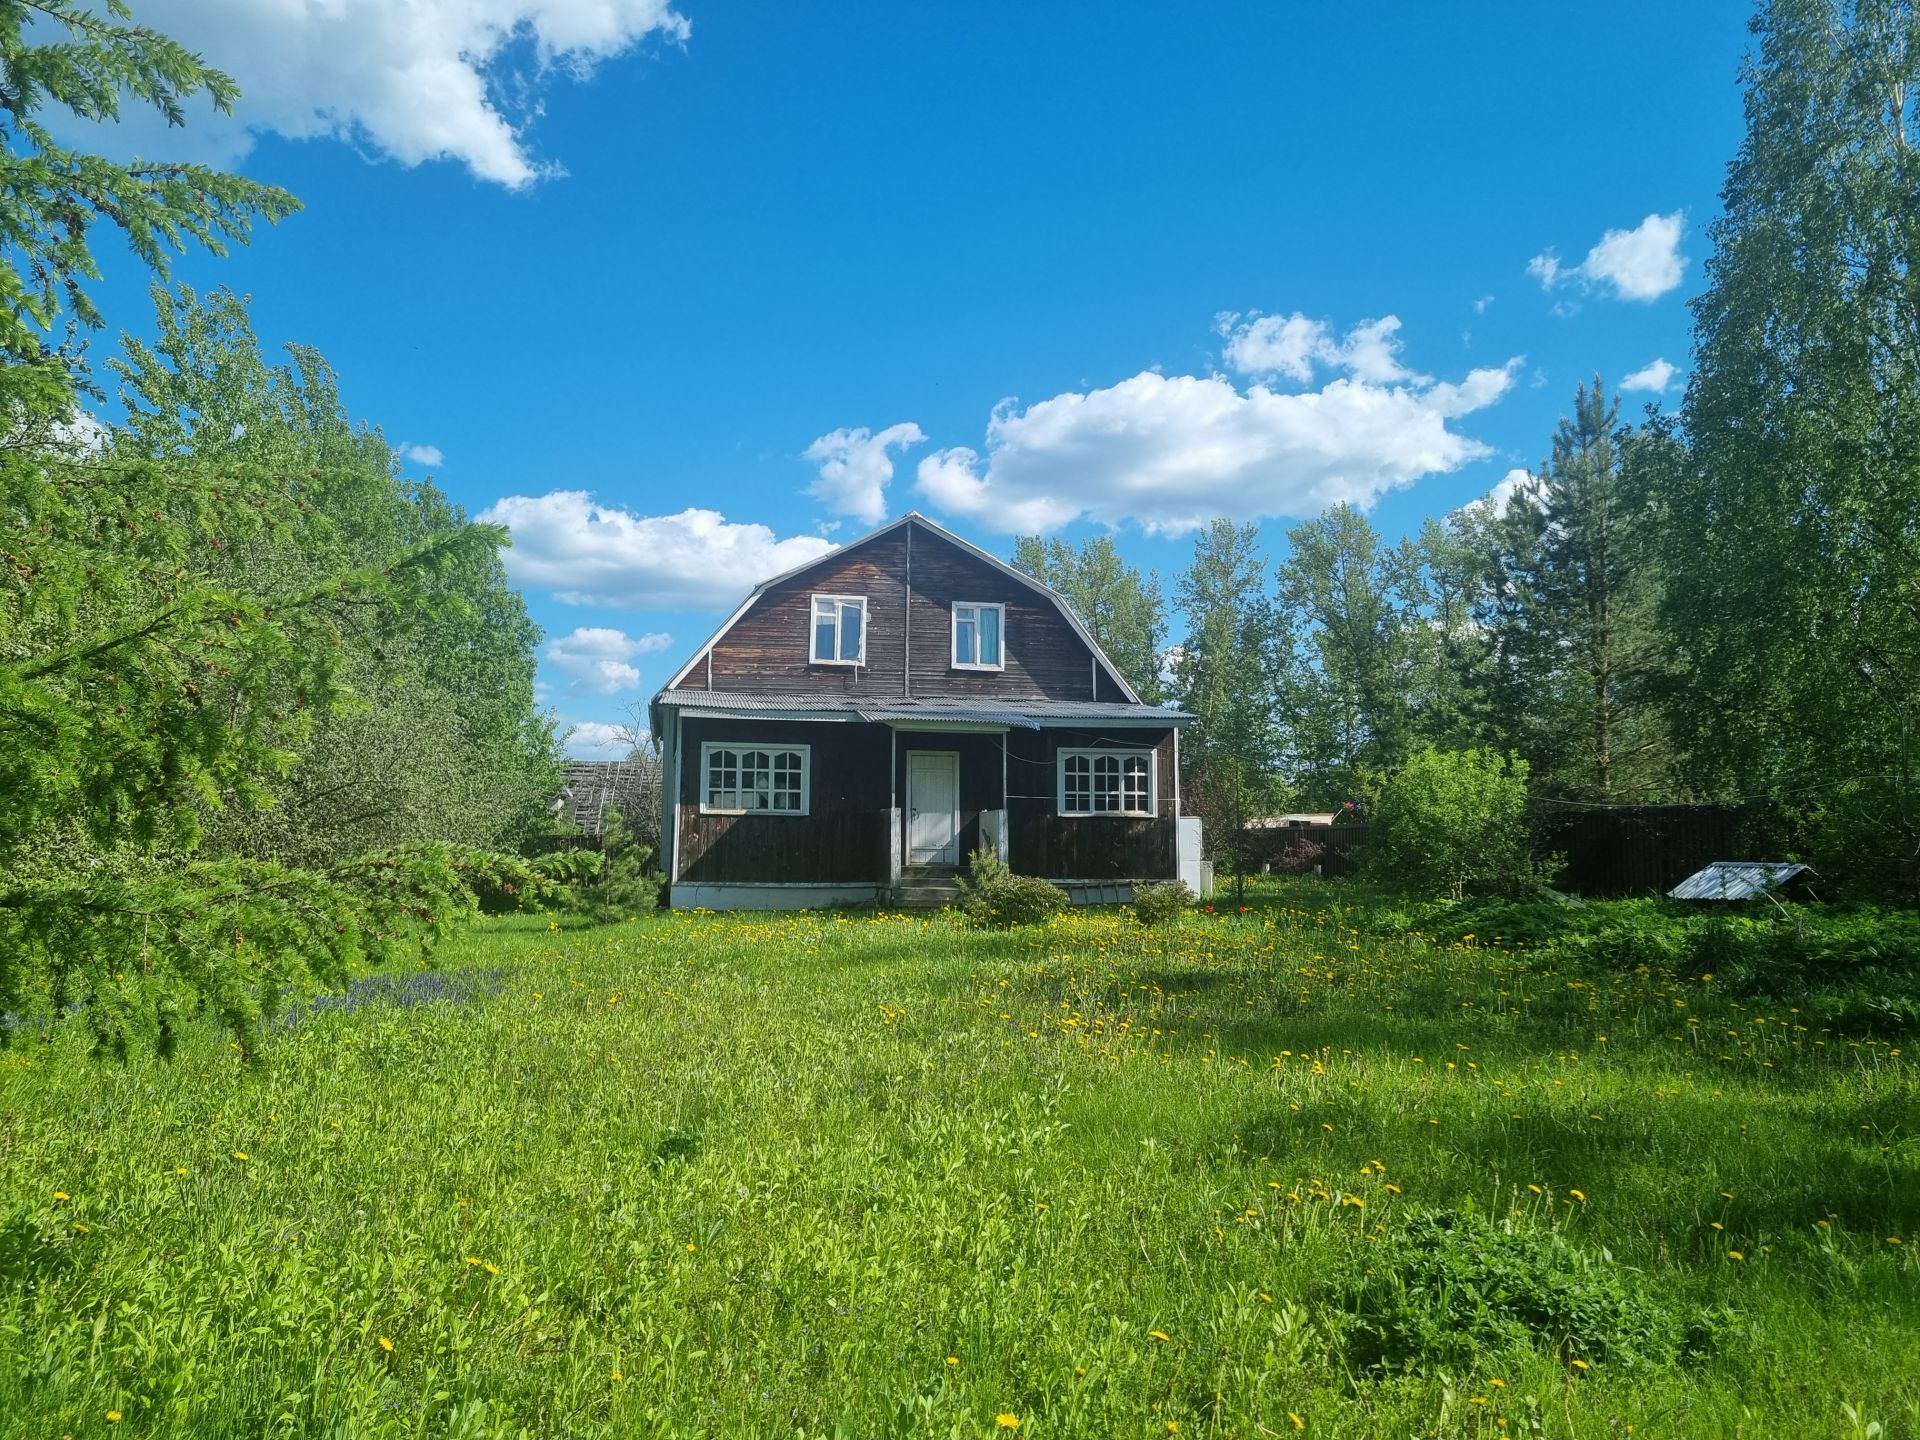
x: 953, y: 637
x: 800, y: 748
x: 813, y: 626
x: 1122, y: 754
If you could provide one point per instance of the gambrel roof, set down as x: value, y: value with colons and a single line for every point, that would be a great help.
x: 914, y: 517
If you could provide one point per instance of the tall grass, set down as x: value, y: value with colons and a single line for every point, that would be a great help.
x: 832, y: 1175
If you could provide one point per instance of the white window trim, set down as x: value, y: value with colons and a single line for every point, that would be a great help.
x: 953, y: 645
x: 813, y: 608
x: 1060, y: 783
x: 805, y: 752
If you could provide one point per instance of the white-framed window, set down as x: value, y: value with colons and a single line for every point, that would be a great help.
x: 839, y: 630
x: 744, y: 779
x: 1107, y: 782
x: 979, y: 637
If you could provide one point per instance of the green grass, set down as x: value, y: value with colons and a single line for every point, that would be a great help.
x: 870, y: 1176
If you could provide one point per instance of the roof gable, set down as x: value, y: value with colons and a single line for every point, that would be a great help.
x: 916, y: 520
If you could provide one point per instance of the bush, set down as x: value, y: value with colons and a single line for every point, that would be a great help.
x: 626, y: 887
x: 991, y: 894
x: 1155, y: 904
x: 1300, y: 857
x: 1452, y: 1288
x: 1452, y: 820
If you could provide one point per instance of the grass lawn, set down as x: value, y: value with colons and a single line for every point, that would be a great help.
x: 857, y: 1176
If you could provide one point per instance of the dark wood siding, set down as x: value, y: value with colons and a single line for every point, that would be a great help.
x: 1091, y: 847
x: 768, y: 648
x: 979, y: 777
x: 843, y: 837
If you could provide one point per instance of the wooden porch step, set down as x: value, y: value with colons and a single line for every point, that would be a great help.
x: 926, y: 892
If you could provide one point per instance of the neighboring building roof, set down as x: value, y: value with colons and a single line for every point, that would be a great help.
x: 913, y: 517
x: 1735, y: 880
x: 1295, y: 818
x: 589, y: 788
x: 1019, y: 714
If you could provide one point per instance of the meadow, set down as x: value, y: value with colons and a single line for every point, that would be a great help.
x: 853, y: 1175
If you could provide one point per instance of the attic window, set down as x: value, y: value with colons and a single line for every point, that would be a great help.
x: 839, y: 630
x: 976, y: 637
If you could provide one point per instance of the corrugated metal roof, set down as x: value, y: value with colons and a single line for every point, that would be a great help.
x: 1735, y: 880
x: 1028, y: 714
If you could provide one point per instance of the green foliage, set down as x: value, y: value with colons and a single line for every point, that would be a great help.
x: 991, y: 894
x: 1122, y: 609
x: 1451, y: 1290
x: 1227, y: 678
x: 1451, y: 820
x: 1158, y: 903
x: 627, y: 885
x: 88, y: 61
x: 441, y: 739
x: 1564, y: 599
x: 141, y: 950
x: 147, y: 682
x: 1792, y: 529
x: 812, y: 1156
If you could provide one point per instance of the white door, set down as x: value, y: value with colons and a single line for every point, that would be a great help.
x: 933, y: 807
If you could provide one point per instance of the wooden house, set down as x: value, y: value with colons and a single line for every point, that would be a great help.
x: 864, y: 723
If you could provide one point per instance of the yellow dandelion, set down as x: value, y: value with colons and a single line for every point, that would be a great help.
x: 1265, y: 1298
x: 1578, y: 1194
x: 953, y: 1359
x: 1735, y: 1255
x: 1173, y: 1427
x: 1536, y: 1189
x: 113, y: 1417
x: 492, y: 1269
x: 1894, y: 1240
x: 386, y: 1344
x: 239, y: 1154
x: 691, y: 1247
x: 61, y: 1195
x: 1299, y: 1422
x: 1007, y: 1420
x: 1160, y: 1335
x: 83, y: 1229
x: 1498, y: 1384
x: 472, y: 1259
x: 1581, y: 1365
x: 179, y: 1169
x: 618, y: 1377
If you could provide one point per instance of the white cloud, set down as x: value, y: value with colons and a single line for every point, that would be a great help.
x: 597, y: 658
x: 1270, y: 346
x: 1500, y: 498
x: 414, y: 80
x: 591, y: 554
x: 422, y: 454
x: 1172, y: 452
x: 1643, y: 263
x: 596, y: 740
x: 855, y: 468
x: 1655, y: 376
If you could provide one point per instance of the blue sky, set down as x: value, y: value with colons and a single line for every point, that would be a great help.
x: 1070, y: 266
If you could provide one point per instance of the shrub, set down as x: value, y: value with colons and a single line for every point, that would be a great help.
x: 991, y: 894
x: 1451, y: 1287
x: 1452, y: 820
x: 626, y: 887
x: 1299, y: 857
x: 1155, y: 904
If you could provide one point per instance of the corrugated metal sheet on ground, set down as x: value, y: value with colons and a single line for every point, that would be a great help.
x: 1735, y: 880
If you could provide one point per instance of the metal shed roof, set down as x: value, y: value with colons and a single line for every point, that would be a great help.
x: 1024, y: 714
x: 1735, y: 880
